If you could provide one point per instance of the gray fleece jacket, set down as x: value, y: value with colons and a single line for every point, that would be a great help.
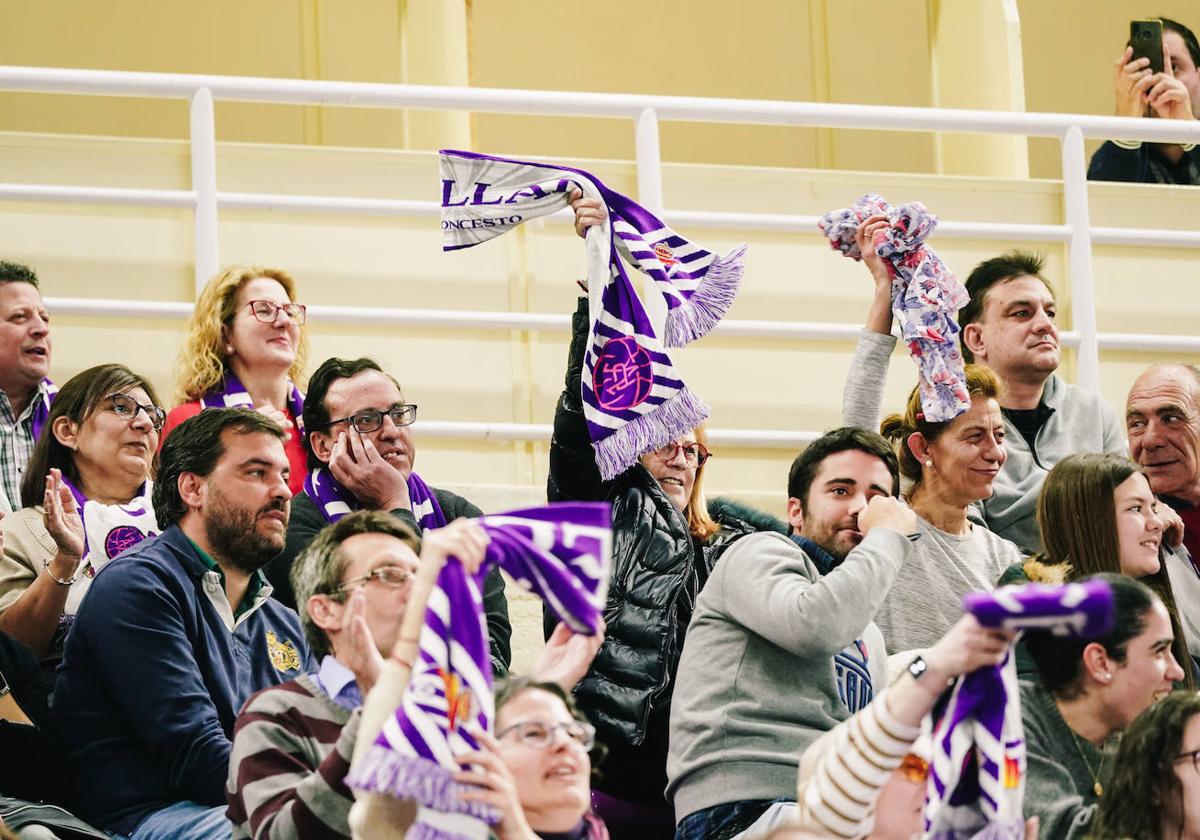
x: 775, y: 655
x: 1080, y: 421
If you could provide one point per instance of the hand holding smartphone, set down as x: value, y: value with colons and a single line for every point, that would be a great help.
x: 1145, y: 37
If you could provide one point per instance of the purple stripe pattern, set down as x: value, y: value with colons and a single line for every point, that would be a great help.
x: 335, y: 501
x: 561, y: 552
x: 633, y: 400
x: 976, y: 785
x: 41, y: 408
x: 926, y: 296
x: 233, y: 394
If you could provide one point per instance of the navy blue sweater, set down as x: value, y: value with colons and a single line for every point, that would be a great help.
x: 152, y: 680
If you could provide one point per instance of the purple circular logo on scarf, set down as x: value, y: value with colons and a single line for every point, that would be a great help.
x: 623, y: 375
x: 121, y: 538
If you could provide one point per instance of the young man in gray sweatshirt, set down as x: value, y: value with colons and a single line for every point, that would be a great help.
x: 781, y: 646
x: 1010, y: 326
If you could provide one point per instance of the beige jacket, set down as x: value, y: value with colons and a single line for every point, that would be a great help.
x: 28, y: 546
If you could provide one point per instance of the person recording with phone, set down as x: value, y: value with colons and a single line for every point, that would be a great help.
x: 1146, y: 86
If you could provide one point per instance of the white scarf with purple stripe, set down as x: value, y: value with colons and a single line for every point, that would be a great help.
x: 976, y: 786
x: 108, y: 530
x: 231, y: 393
x: 335, y: 501
x: 633, y: 399
x: 561, y: 552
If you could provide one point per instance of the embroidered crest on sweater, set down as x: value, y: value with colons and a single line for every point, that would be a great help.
x: 284, y: 655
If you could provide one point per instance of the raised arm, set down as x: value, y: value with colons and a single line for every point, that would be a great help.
x: 862, y: 395
x: 838, y: 789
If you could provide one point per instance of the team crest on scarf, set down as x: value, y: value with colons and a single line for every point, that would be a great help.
x: 284, y: 655
x: 122, y: 538
x: 623, y: 375
x: 633, y: 398
x: 458, y: 699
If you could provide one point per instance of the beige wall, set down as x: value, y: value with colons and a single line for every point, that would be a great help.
x: 874, y: 51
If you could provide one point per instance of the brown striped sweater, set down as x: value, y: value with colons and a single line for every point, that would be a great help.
x: 291, y: 750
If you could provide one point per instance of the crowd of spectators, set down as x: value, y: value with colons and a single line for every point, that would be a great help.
x: 203, y: 611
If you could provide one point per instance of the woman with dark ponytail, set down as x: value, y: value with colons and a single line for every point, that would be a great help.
x: 1087, y: 692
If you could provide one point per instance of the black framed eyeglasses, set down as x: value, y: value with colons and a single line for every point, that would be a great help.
x: 393, y: 577
x: 126, y: 407
x: 268, y: 310
x: 694, y: 453
x: 539, y: 736
x: 370, y: 419
x: 1193, y: 756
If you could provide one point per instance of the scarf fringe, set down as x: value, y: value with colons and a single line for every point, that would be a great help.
x: 418, y: 779
x: 617, y: 452
x: 695, y: 317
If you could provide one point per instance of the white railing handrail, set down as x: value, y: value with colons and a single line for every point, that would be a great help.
x: 588, y: 104
x: 646, y: 111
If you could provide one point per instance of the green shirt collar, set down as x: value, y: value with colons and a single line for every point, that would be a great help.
x: 257, y: 580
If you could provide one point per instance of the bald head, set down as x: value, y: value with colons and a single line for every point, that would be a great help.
x: 1162, y: 418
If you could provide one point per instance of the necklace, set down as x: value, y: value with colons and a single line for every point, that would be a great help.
x: 1095, y: 774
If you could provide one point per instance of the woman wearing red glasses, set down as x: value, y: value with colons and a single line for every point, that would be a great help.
x: 246, y: 347
x: 664, y: 548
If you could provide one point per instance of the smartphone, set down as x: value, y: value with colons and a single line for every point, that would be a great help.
x: 1145, y: 36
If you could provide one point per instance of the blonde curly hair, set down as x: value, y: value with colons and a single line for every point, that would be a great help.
x: 201, y: 364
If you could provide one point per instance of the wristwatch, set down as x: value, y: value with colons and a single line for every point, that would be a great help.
x: 4, y: 689
x: 917, y: 667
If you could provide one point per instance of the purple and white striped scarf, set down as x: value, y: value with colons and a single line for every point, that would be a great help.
x: 633, y: 399
x: 562, y: 553
x: 976, y: 783
x: 231, y: 393
x: 926, y: 297
x: 335, y: 501
x: 41, y: 407
x: 108, y: 530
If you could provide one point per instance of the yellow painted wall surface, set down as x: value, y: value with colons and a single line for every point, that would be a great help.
x: 874, y: 51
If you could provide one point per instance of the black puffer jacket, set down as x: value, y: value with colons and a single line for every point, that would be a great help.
x: 658, y: 569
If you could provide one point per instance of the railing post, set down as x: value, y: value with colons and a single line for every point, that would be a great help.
x: 204, y: 184
x: 650, y: 194
x: 1079, y: 252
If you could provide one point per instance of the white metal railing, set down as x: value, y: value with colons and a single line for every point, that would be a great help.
x: 204, y: 199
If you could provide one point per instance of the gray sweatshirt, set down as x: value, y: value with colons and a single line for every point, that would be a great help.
x: 1061, y: 769
x: 775, y: 655
x: 1081, y: 422
x: 926, y: 599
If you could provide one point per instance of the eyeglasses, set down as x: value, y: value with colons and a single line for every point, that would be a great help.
x: 126, y: 407
x: 393, y: 577
x: 1194, y: 755
x: 268, y: 310
x: 539, y: 736
x: 370, y: 419
x: 914, y: 768
x: 694, y: 453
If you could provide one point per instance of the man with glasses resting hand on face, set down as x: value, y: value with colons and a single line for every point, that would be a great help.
x: 361, y: 449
